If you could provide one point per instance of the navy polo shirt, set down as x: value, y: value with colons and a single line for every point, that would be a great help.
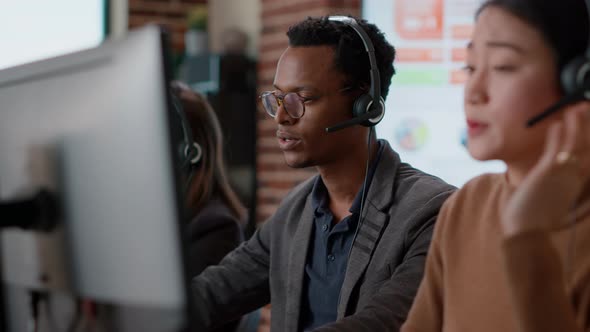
x: 327, y: 256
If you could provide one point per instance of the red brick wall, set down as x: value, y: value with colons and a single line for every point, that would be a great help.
x: 170, y: 13
x: 274, y: 177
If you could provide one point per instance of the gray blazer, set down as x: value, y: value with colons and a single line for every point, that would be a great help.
x: 384, y: 270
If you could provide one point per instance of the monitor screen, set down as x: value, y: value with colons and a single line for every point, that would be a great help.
x: 32, y: 30
x: 94, y: 127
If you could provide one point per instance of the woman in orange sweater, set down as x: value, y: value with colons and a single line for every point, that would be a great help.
x: 511, y: 251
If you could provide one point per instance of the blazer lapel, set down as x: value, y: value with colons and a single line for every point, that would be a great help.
x: 361, y: 252
x: 374, y: 220
x: 296, y: 267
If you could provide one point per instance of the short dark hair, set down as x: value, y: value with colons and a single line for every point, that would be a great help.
x: 350, y: 56
x: 563, y: 24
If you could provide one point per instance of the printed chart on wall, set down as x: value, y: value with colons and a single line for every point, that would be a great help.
x: 424, y: 119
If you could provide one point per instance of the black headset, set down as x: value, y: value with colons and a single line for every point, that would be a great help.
x: 575, y: 81
x: 189, y: 151
x: 369, y: 108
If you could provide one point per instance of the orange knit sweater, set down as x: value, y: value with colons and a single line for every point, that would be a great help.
x: 478, y: 280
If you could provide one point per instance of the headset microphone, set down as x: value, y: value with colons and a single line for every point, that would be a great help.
x: 567, y: 100
x: 355, y: 121
x: 369, y: 108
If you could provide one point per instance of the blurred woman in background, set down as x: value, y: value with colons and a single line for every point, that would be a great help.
x: 217, y: 214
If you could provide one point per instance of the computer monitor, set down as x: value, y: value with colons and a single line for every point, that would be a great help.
x: 94, y: 127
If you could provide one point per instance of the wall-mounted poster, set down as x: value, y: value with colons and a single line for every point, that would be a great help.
x: 424, y: 118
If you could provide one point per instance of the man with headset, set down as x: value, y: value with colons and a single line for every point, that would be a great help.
x: 334, y: 256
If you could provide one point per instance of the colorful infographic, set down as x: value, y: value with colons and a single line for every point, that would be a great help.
x: 424, y: 119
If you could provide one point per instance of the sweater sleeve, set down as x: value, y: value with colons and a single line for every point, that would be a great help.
x: 427, y: 310
x: 538, y: 287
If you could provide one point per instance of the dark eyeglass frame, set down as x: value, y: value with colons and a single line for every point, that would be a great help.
x: 280, y: 99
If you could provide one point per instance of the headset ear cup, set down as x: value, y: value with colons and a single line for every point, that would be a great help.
x: 193, y: 153
x: 381, y: 107
x: 364, y: 104
x: 571, y: 81
x: 199, y: 153
x: 361, y: 105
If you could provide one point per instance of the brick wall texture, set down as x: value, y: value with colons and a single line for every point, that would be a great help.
x: 169, y: 13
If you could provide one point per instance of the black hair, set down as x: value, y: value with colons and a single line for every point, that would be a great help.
x: 350, y: 56
x: 563, y: 24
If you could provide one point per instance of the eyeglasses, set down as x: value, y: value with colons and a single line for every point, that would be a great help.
x: 293, y: 103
